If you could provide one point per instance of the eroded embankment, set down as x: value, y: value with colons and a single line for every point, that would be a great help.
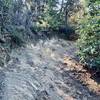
x: 35, y: 72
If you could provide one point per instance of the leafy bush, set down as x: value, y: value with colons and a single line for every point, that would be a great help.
x: 89, y: 41
x: 89, y: 31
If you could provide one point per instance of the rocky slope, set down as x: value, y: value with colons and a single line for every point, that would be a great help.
x: 35, y: 72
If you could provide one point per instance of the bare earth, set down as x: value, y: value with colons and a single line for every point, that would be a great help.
x: 35, y: 72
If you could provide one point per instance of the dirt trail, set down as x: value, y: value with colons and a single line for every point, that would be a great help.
x: 35, y: 72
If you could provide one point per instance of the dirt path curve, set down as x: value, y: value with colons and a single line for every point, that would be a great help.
x: 35, y: 73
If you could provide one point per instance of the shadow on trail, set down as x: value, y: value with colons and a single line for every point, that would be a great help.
x: 46, y: 36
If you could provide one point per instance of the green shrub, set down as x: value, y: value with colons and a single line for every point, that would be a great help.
x: 89, y: 32
x: 18, y: 35
x: 89, y: 41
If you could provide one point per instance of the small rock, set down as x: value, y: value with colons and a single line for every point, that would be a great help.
x: 79, y: 92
